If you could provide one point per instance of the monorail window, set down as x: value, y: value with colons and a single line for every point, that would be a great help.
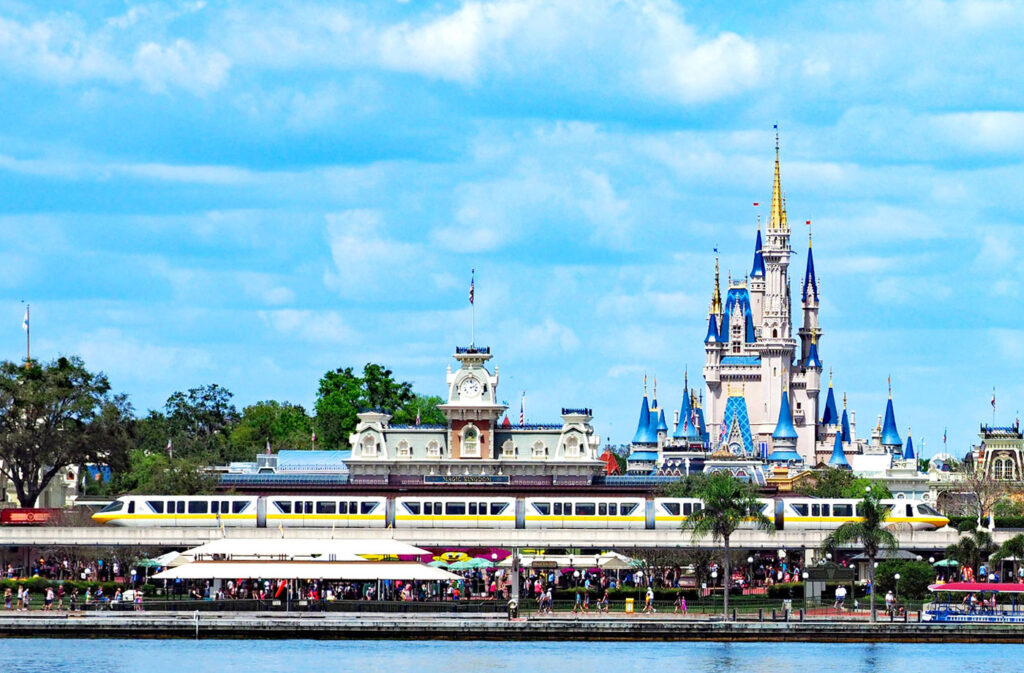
x: 455, y: 509
x: 472, y: 509
x: 131, y: 507
x: 115, y: 506
x: 181, y: 507
x: 586, y: 509
x: 627, y: 508
x: 283, y: 507
x: 842, y: 510
x: 428, y: 508
x: 343, y: 507
x: 156, y: 505
x: 367, y: 507
x: 613, y: 509
x: 326, y: 507
x: 304, y: 507
x: 687, y: 508
x: 558, y: 509
x: 800, y: 508
x: 224, y: 507
x: 483, y: 508
x: 498, y: 507
x: 927, y: 510
x: 543, y: 508
x: 239, y: 507
x: 410, y: 507
x: 910, y: 510
x: 671, y: 507
x: 826, y: 510
x: 815, y: 510
x: 602, y: 509
x: 567, y: 508
x: 198, y: 507
x: 352, y: 507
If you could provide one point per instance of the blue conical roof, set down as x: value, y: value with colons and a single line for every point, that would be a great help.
x: 810, y: 281
x: 846, y: 426
x: 812, y: 356
x: 662, y: 425
x: 890, y: 435
x: 784, y: 456
x: 830, y: 416
x: 758, y: 270
x: 643, y: 427
x: 685, y: 427
x: 908, y: 450
x: 838, y: 458
x: 712, y: 336
x: 784, y: 428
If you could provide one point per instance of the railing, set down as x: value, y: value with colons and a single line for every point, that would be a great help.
x: 300, y: 605
x: 482, y: 350
x: 582, y: 411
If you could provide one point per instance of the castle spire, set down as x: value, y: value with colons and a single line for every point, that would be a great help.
x: 758, y: 269
x: 645, y: 434
x: 838, y: 458
x: 716, y: 297
x: 775, y: 221
x: 810, y: 279
x: 890, y: 435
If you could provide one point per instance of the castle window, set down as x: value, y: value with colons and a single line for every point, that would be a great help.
x: 471, y: 442
x: 775, y: 334
x: 997, y: 469
x: 369, y: 445
x: 572, y: 447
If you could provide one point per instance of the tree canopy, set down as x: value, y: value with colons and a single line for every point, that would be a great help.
x: 57, y: 414
x: 833, y: 482
x: 282, y: 424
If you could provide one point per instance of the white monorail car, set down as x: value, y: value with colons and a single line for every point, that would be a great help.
x: 602, y: 512
x: 454, y: 512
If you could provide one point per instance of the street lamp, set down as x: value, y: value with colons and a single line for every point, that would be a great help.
x: 896, y: 598
x: 750, y: 570
x: 828, y: 556
x: 931, y: 559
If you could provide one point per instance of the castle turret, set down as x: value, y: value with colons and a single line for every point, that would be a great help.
x: 686, y: 427
x: 757, y: 278
x: 784, y: 438
x: 890, y: 436
x: 810, y: 331
x: 830, y: 416
x: 645, y: 434
x: 908, y: 450
x: 845, y: 424
x: 838, y: 458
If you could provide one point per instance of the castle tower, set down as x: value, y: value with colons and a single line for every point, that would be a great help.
x: 757, y: 278
x: 714, y: 348
x: 890, y: 436
x: 784, y: 438
x: 810, y: 331
x: 645, y: 434
x: 838, y: 458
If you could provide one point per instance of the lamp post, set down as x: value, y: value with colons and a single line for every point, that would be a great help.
x: 750, y: 571
x: 896, y: 592
x: 714, y: 581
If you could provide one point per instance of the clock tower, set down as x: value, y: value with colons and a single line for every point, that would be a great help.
x: 472, y: 408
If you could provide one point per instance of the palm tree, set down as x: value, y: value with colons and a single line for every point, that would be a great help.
x: 1012, y: 548
x: 971, y: 549
x: 728, y: 503
x: 870, y: 531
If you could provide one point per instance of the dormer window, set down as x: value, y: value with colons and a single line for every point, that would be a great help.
x: 508, y: 449
x: 404, y: 450
x: 433, y: 449
x: 540, y: 451
x: 572, y: 447
x: 471, y: 442
x: 369, y: 445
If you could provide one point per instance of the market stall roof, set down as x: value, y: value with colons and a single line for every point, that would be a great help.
x: 283, y: 549
x: 606, y: 561
x: 310, y: 570
x: 964, y: 587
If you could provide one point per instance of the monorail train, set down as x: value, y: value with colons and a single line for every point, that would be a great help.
x: 470, y: 511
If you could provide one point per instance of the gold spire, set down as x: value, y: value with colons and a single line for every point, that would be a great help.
x: 716, y: 298
x: 776, y: 218
x: 785, y: 224
x: 829, y: 377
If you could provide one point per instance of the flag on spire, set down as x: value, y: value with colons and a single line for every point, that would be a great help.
x: 268, y: 447
x: 472, y: 284
x: 993, y: 398
x: 944, y: 436
x: 24, y: 323
x: 522, y: 409
x: 417, y: 417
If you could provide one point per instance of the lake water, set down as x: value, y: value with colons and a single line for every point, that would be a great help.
x: 309, y: 656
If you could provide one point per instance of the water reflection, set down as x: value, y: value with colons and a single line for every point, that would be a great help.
x: 307, y: 656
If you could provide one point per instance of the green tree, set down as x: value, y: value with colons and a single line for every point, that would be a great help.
x: 833, y: 482
x: 1013, y: 548
x: 53, y: 415
x: 283, y: 424
x: 425, y: 406
x: 870, y: 532
x: 158, y: 473
x: 728, y: 503
x: 686, y: 487
x: 915, y: 576
x: 342, y: 394
x: 200, y: 421
x: 971, y: 549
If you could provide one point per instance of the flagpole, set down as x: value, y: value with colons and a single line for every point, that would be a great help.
x: 28, y: 335
x: 472, y: 305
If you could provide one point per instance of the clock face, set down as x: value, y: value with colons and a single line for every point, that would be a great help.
x: 470, y: 387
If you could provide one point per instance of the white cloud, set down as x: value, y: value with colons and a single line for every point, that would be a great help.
x: 125, y: 357
x: 367, y: 263
x: 322, y: 327
x: 179, y: 65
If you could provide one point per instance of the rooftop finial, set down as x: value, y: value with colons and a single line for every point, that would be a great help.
x: 890, y: 386
x: 716, y: 298
x: 809, y: 234
x: 655, y: 387
x: 844, y: 400
x: 645, y: 384
x: 829, y: 377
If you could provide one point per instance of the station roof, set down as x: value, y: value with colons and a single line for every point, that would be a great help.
x: 320, y: 570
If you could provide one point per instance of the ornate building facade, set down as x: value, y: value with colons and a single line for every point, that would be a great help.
x: 475, y: 445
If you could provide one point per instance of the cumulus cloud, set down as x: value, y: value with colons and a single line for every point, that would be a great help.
x: 321, y: 327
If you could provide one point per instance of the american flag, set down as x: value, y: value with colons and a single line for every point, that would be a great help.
x: 944, y: 436
x: 170, y: 449
x: 993, y: 398
x: 472, y: 284
x: 522, y: 409
x: 417, y: 417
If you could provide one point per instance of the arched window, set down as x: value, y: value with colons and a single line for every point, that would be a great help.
x: 997, y: 469
x: 470, y: 442
x: 572, y: 447
x: 539, y: 449
x: 434, y: 449
x: 404, y: 450
x: 508, y: 449
x: 369, y: 445
x: 775, y: 334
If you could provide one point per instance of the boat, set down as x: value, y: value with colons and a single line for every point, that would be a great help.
x: 976, y: 602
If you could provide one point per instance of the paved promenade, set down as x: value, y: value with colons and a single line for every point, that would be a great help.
x: 489, y: 627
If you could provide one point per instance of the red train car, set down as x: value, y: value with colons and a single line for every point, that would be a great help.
x: 28, y: 516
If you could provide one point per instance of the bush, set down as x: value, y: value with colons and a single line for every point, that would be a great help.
x: 915, y: 576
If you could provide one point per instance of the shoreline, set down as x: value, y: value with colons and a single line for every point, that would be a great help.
x: 263, y: 626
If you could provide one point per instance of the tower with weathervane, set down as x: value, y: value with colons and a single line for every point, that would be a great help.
x: 472, y: 408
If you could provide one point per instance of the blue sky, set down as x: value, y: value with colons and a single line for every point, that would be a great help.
x: 252, y: 193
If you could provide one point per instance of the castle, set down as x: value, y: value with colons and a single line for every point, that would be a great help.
x: 763, y: 377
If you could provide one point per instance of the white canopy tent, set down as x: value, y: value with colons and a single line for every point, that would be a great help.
x: 363, y: 571
x: 228, y: 549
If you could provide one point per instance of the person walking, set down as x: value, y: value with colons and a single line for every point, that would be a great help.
x: 680, y: 604
x: 649, y: 602
x: 578, y: 605
x: 840, y: 597
x: 602, y: 605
